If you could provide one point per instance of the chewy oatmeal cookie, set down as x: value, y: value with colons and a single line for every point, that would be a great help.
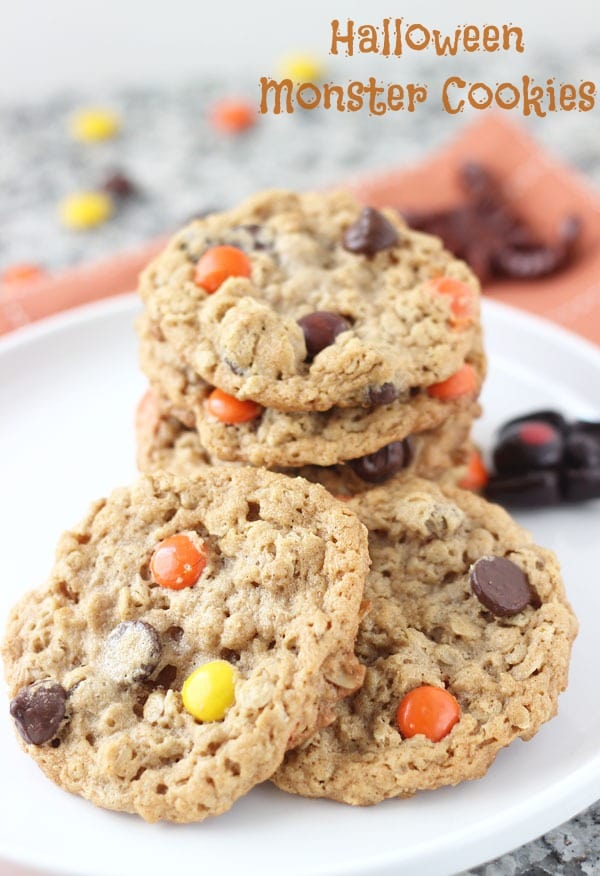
x: 467, y: 642
x: 305, y: 302
x: 290, y: 439
x: 164, y: 442
x: 250, y: 578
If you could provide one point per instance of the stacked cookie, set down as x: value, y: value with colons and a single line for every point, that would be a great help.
x: 300, y: 330
x: 352, y: 625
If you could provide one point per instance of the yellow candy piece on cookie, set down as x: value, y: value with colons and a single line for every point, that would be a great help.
x: 209, y: 691
x: 93, y: 124
x: 85, y: 210
x: 302, y: 68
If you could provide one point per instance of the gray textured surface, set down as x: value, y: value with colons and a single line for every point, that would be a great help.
x: 182, y: 166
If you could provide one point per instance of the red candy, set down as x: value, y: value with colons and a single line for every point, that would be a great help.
x: 536, y: 433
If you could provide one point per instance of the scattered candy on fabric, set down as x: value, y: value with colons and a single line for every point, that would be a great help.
x: 209, y: 692
x: 230, y: 410
x: 85, y: 210
x: 232, y: 115
x: 302, y: 67
x: 177, y: 562
x: 219, y: 263
x: 92, y: 124
x: 427, y: 710
x: 119, y: 185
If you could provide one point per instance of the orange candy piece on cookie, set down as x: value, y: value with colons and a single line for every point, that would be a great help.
x: 431, y: 711
x: 464, y: 382
x: 177, y: 562
x: 476, y: 475
x: 231, y: 410
x: 461, y: 299
x: 218, y: 264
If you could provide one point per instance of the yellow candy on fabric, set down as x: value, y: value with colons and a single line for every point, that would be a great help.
x: 85, y: 210
x: 302, y: 68
x: 93, y: 124
x: 209, y: 691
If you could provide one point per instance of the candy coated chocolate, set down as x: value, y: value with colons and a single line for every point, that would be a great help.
x: 580, y: 484
x: 370, y: 234
x: 501, y: 586
x: 527, y: 446
x: 381, y: 465
x: 38, y: 711
x: 321, y: 329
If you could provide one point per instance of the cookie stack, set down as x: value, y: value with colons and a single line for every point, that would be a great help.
x: 366, y: 635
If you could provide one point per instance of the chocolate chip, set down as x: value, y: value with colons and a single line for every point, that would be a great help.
x: 38, y: 711
x: 528, y: 445
x: 381, y: 465
x: 528, y: 490
x: 501, y: 586
x: 370, y: 234
x: 131, y: 652
x: 321, y: 329
x: 382, y: 395
x: 119, y: 185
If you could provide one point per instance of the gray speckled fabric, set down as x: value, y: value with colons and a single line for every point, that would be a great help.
x: 182, y: 167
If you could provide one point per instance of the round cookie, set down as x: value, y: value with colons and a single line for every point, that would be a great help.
x: 164, y: 442
x: 97, y: 658
x: 431, y: 555
x: 280, y: 439
x: 326, y: 305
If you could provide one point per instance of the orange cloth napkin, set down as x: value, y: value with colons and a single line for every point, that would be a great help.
x: 542, y: 190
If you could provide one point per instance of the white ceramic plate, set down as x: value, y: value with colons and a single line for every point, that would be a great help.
x: 68, y: 390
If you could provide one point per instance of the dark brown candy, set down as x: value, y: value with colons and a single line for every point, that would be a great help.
x: 528, y: 445
x: 382, y: 395
x: 532, y: 489
x: 38, y: 711
x: 131, y: 652
x: 321, y: 329
x: 581, y: 484
x: 381, y: 465
x: 501, y: 586
x: 582, y: 449
x: 119, y: 185
x: 370, y: 234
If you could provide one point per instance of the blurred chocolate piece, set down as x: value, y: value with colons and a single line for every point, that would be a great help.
x: 381, y: 465
x: 38, y: 711
x: 321, y: 328
x: 527, y: 446
x: 370, y: 234
x: 119, y: 185
x: 532, y: 489
x: 501, y: 586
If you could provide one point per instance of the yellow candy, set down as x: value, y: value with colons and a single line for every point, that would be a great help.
x: 302, y: 68
x: 209, y: 691
x: 85, y: 210
x: 92, y: 124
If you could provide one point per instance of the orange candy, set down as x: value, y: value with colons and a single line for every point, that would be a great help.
x: 217, y: 264
x: 461, y: 299
x: 429, y: 710
x: 232, y: 115
x: 177, y: 563
x: 22, y: 273
x: 229, y: 409
x: 476, y: 475
x: 464, y: 382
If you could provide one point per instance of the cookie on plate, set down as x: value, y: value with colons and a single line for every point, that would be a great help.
x: 164, y: 442
x: 189, y: 634
x: 466, y: 647
x: 309, y: 302
x: 284, y: 439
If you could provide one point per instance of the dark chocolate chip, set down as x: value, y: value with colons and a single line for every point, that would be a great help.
x: 370, y: 234
x: 381, y: 465
x: 528, y: 490
x: 119, y: 185
x: 38, y: 711
x: 581, y: 484
x: 321, y: 329
x: 528, y: 445
x: 131, y: 652
x: 382, y: 395
x: 501, y: 586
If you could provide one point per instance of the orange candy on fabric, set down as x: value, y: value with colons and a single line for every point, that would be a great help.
x: 429, y: 710
x: 22, y: 273
x: 177, y: 562
x: 461, y: 299
x: 464, y: 382
x: 217, y: 264
x: 231, y: 410
x: 232, y: 115
x: 476, y: 475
